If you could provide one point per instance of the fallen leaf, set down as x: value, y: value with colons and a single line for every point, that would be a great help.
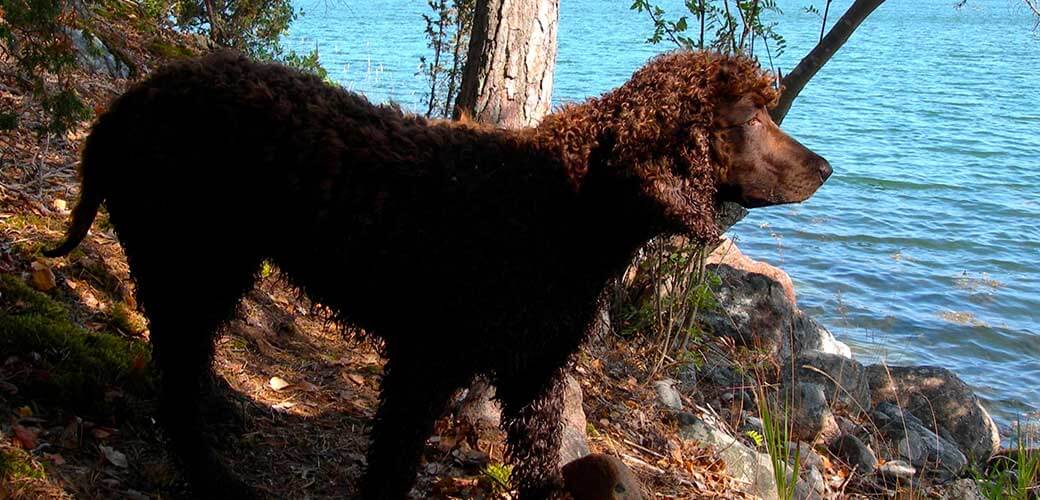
x: 24, y: 436
x: 114, y: 457
x: 23, y: 411
x: 278, y: 383
x: 284, y: 405
x: 55, y: 458
x: 100, y: 433
x: 42, y: 278
x: 355, y: 378
x: 307, y: 386
x: 60, y: 205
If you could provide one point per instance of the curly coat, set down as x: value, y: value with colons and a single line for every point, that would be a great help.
x: 467, y: 250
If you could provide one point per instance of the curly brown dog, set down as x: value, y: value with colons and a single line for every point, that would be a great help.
x: 467, y: 250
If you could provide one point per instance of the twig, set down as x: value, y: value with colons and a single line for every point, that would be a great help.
x: 641, y: 447
x: 641, y: 463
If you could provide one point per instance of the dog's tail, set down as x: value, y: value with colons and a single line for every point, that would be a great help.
x: 92, y: 194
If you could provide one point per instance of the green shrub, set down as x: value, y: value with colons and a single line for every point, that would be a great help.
x: 34, y: 33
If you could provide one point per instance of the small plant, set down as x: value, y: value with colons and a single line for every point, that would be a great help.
x: 672, y: 288
x: 499, y: 476
x: 776, y: 427
x: 1015, y: 476
x: 17, y: 464
x: 447, y: 31
x: 756, y: 437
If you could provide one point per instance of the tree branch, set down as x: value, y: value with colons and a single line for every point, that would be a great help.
x: 1033, y: 6
x: 795, y: 81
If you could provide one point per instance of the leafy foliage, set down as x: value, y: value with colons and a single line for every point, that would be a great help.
x: 731, y: 27
x: 447, y: 31
x: 35, y: 35
x: 253, y: 27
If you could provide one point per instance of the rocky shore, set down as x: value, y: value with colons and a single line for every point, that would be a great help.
x: 856, y: 429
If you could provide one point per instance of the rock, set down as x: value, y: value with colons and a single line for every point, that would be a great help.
x: 755, y: 311
x: 574, y: 444
x: 729, y: 254
x: 811, y: 417
x: 753, y: 471
x: 844, y: 380
x: 667, y: 395
x: 919, y: 445
x: 480, y: 412
x: 601, y: 477
x: 962, y: 489
x: 807, y: 455
x: 728, y: 214
x: 94, y: 56
x: 937, y: 396
x: 808, y: 335
x: 854, y: 453
x: 897, y: 471
x: 478, y: 409
x: 810, y: 486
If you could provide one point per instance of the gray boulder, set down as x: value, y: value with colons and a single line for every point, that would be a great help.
x: 810, y: 486
x: 811, y: 417
x: 667, y: 395
x: 917, y: 444
x: 94, y: 56
x: 574, y: 443
x: 751, y: 470
x: 962, y: 489
x: 942, y: 401
x: 855, y: 453
x: 844, y: 380
x: 756, y: 312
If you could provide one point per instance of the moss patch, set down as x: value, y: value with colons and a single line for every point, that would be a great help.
x: 72, y: 365
x: 167, y: 50
x: 16, y: 464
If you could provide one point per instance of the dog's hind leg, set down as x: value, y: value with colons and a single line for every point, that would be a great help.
x: 187, y: 295
x: 415, y: 392
x: 532, y: 405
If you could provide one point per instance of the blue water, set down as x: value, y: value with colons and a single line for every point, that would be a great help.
x: 923, y: 247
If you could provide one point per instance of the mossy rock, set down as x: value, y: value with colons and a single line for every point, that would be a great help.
x: 167, y: 50
x: 72, y: 366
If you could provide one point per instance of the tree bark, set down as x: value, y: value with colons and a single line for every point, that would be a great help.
x: 508, y: 76
x: 795, y: 81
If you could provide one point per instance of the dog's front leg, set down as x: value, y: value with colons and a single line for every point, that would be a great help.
x: 532, y: 406
x: 414, y: 394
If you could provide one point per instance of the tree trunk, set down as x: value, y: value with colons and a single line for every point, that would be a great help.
x: 507, y: 82
x: 509, y: 67
x: 795, y: 81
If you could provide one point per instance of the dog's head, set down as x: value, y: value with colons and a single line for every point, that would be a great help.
x: 694, y: 127
x: 759, y: 164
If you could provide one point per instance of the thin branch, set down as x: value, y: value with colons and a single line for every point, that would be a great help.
x: 1033, y: 6
x: 823, y: 26
x: 795, y: 81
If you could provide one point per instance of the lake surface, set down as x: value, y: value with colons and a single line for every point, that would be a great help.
x: 923, y: 247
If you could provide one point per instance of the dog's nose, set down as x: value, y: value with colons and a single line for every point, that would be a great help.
x: 825, y: 170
